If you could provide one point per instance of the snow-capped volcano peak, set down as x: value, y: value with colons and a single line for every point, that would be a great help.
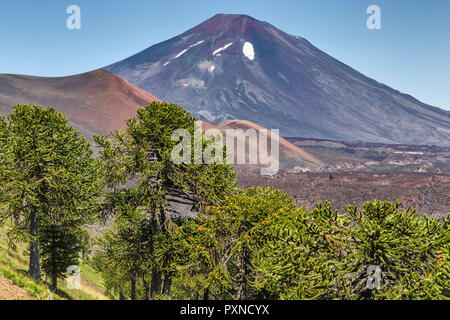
x: 237, y: 67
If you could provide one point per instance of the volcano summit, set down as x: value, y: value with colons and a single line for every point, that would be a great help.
x: 236, y: 67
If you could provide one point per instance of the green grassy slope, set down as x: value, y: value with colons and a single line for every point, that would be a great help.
x: 14, y: 266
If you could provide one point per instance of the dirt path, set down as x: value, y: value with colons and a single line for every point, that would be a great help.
x: 10, y: 291
x: 90, y: 288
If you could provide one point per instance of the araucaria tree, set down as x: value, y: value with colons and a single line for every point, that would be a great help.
x: 50, y: 183
x: 378, y: 252
x: 145, y: 187
x: 253, y: 244
x: 230, y: 237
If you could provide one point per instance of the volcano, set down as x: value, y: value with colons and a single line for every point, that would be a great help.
x: 99, y: 102
x: 236, y: 67
x: 96, y: 102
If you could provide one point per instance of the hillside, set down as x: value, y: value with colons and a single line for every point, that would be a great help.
x: 15, y: 284
x: 236, y: 67
x: 10, y: 291
x: 97, y: 102
x: 290, y: 156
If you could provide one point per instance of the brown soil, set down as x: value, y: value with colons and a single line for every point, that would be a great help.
x: 95, y: 102
x: 10, y: 291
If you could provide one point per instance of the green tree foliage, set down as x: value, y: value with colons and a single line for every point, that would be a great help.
x: 231, y: 235
x: 443, y: 278
x: 322, y: 255
x: 60, y: 246
x: 141, y: 176
x: 6, y: 167
x: 51, y: 184
x: 126, y: 248
x: 253, y: 244
x: 403, y: 245
x: 302, y: 255
x: 5, y: 164
x: 258, y: 245
x: 235, y: 244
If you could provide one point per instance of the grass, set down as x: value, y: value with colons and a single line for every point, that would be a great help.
x: 37, y: 291
x: 91, y: 275
x: 14, y: 266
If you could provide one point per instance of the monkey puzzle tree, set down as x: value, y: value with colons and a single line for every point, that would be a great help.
x: 60, y: 243
x: 51, y: 180
x: 402, y: 246
x: 125, y: 249
x: 301, y: 256
x: 139, y: 158
x: 5, y: 163
x: 229, y: 238
x: 442, y: 279
x: 378, y: 252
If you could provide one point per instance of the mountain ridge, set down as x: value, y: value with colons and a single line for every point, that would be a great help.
x: 96, y: 102
x: 285, y: 83
x: 99, y: 102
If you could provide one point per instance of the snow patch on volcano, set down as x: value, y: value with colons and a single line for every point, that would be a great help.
x: 181, y: 53
x: 186, y: 50
x: 249, y: 51
x: 222, y: 49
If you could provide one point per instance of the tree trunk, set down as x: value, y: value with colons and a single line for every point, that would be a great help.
x: 54, y: 283
x: 155, y: 288
x: 206, y: 294
x: 35, y: 267
x: 133, y: 288
x: 156, y: 281
x: 162, y: 218
x: 54, y: 249
x: 243, y: 290
x: 146, y: 288
x: 167, y: 285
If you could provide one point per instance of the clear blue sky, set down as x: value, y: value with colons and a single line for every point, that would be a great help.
x: 411, y: 53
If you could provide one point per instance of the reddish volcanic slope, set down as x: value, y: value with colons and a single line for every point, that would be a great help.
x: 290, y: 156
x: 95, y: 102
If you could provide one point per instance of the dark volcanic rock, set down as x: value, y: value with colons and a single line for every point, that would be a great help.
x: 236, y: 67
